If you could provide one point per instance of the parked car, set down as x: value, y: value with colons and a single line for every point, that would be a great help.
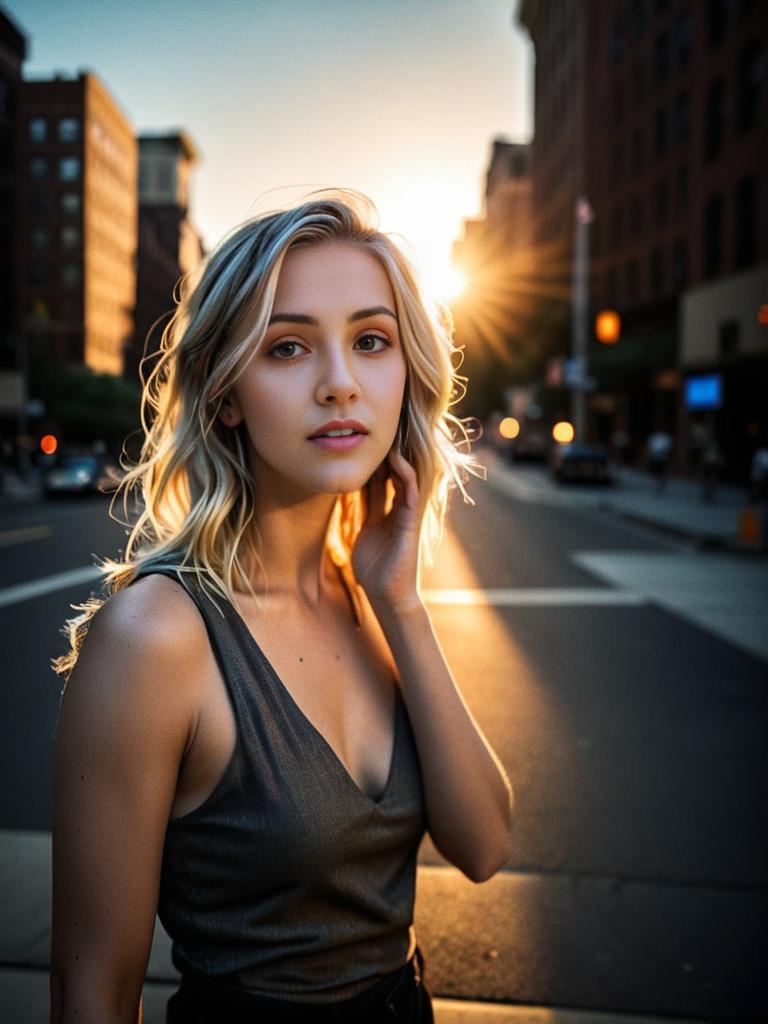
x: 77, y: 473
x: 586, y: 463
x: 529, y: 446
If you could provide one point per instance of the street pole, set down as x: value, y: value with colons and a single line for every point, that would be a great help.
x: 580, y: 315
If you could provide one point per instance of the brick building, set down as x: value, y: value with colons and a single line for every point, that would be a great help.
x: 77, y: 221
x: 669, y: 98
x: 13, y: 50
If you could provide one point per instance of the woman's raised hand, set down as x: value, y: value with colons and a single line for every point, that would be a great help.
x: 386, y: 555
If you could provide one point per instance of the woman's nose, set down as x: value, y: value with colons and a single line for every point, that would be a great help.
x: 337, y: 381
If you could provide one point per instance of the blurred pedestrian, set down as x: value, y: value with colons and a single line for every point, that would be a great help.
x: 758, y: 475
x: 258, y: 723
x: 620, y: 442
x: 712, y: 465
x: 659, y: 452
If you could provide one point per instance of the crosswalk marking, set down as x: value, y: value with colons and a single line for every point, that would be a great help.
x: 501, y: 598
x: 548, y: 596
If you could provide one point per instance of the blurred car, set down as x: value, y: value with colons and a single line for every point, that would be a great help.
x: 529, y: 446
x: 77, y: 474
x: 586, y: 463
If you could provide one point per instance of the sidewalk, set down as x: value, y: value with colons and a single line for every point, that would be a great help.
x: 25, y: 892
x: 679, y: 510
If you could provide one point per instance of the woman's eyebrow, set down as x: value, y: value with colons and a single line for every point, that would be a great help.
x: 302, y: 318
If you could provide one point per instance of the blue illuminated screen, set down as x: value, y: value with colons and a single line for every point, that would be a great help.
x: 704, y: 392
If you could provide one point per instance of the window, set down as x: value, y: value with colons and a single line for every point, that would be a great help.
x: 636, y: 216
x: 715, y: 126
x: 662, y: 202
x: 632, y: 281
x: 681, y: 188
x: 728, y: 337
x: 38, y: 129
x: 70, y: 202
x: 69, y: 129
x: 682, y: 117
x: 746, y: 223
x: 71, y: 275
x: 618, y: 163
x: 38, y: 238
x: 38, y: 168
x: 611, y: 285
x: 661, y: 59
x: 656, y: 272
x: 37, y: 274
x: 38, y: 202
x: 70, y: 237
x: 638, y: 85
x: 617, y: 106
x: 713, y: 236
x: 661, y: 131
x: 616, y: 228
x: 615, y: 44
x: 637, y: 19
x: 679, y: 265
x: 69, y: 168
x: 718, y: 20
x: 683, y: 35
x: 638, y: 150
x: 751, y: 77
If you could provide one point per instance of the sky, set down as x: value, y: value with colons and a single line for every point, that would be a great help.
x: 399, y: 99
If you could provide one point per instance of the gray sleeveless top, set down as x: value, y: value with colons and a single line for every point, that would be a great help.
x: 288, y: 881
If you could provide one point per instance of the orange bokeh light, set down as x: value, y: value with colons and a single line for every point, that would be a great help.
x: 563, y: 432
x: 509, y: 427
x: 608, y: 326
x: 48, y: 444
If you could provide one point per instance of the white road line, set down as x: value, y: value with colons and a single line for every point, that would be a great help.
x: 36, y: 588
x: 542, y: 596
x: 22, y: 534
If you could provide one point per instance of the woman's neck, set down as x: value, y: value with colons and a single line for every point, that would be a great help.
x: 294, y: 552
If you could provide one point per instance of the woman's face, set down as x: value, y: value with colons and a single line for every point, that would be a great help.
x: 331, y: 352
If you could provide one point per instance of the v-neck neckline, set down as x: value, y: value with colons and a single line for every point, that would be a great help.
x: 308, y: 723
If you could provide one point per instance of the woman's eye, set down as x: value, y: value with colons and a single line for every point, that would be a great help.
x: 283, y: 345
x: 374, y: 337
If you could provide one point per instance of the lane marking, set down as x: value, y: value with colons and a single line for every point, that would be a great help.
x: 22, y: 534
x: 47, y: 585
x: 539, y: 596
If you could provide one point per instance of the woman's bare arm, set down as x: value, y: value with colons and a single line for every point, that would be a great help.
x: 127, y: 717
x: 468, y: 795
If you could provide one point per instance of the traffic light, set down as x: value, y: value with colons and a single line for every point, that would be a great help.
x: 608, y: 326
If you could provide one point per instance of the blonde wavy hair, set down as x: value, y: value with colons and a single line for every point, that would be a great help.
x: 196, y: 505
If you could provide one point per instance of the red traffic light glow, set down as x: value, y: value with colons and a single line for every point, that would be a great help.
x: 48, y: 444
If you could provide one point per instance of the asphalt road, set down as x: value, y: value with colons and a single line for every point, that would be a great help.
x: 635, y: 742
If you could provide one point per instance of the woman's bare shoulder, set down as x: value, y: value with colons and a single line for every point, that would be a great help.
x: 152, y: 619
x: 153, y: 607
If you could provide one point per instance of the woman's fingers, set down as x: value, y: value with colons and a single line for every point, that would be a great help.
x: 405, y: 480
x: 376, y: 496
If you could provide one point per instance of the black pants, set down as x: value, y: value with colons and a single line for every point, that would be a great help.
x: 401, y: 997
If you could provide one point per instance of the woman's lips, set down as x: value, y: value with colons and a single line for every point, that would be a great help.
x: 339, y: 444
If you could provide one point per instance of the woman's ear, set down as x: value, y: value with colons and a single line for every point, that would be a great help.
x: 230, y: 412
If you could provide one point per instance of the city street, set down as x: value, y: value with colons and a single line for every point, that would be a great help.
x: 630, y: 715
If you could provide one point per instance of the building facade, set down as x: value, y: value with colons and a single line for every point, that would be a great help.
x: 76, y: 241
x: 673, y: 99
x: 13, y: 49
x: 169, y: 244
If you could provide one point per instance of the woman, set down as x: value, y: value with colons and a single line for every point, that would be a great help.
x: 261, y: 724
